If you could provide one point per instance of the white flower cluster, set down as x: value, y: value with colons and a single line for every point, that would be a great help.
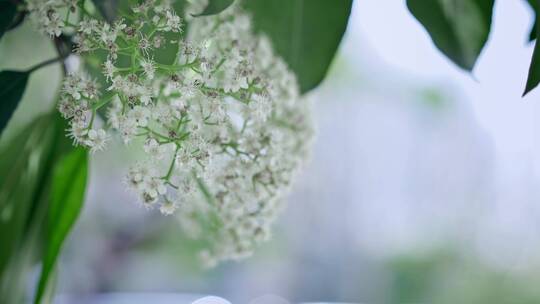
x: 50, y: 16
x: 79, y: 104
x: 223, y: 125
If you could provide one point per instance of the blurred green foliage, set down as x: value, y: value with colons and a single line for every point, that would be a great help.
x: 447, y: 277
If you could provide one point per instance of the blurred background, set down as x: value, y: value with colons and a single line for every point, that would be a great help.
x: 422, y: 187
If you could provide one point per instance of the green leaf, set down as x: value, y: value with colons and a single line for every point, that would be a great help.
x: 215, y: 7
x: 66, y: 200
x: 12, y: 85
x: 26, y: 166
x: 459, y: 28
x: 23, y: 170
x: 107, y: 8
x: 8, y: 11
x: 306, y: 33
x: 534, y: 70
x: 535, y: 6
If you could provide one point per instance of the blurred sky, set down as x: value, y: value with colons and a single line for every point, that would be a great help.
x: 386, y: 35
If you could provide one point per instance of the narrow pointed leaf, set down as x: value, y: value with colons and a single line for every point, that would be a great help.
x: 12, y: 86
x: 459, y: 28
x: 305, y: 33
x: 215, y: 7
x: 534, y: 70
x: 66, y: 200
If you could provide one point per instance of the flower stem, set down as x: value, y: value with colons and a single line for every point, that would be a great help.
x: 171, y: 167
x: 45, y: 63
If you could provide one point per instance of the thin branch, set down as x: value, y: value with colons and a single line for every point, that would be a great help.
x: 45, y: 63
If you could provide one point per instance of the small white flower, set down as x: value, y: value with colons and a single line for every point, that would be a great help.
x: 145, y: 95
x: 154, y: 148
x: 188, y: 53
x: 184, y: 158
x: 154, y: 187
x: 165, y: 114
x: 73, y: 86
x: 97, y: 140
x: 90, y: 88
x: 168, y: 207
x: 77, y: 132
x: 128, y: 128
x: 179, y: 104
x: 53, y: 25
x: 66, y: 108
x: 136, y: 176
x: 119, y: 83
x: 149, y: 68
x: 148, y: 200
x: 88, y: 26
x: 174, y: 22
x: 107, y: 34
x: 109, y: 69
x: 140, y: 115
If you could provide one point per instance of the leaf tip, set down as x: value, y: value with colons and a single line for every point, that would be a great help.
x: 528, y: 89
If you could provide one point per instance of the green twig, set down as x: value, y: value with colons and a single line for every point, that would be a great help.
x: 45, y: 63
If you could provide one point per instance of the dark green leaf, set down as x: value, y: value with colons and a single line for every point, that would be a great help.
x: 306, y: 33
x: 12, y: 85
x: 107, y: 8
x: 215, y: 7
x: 26, y: 164
x: 532, y: 34
x: 459, y: 28
x: 535, y: 6
x: 534, y: 70
x: 23, y: 170
x: 66, y: 200
x: 8, y: 11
